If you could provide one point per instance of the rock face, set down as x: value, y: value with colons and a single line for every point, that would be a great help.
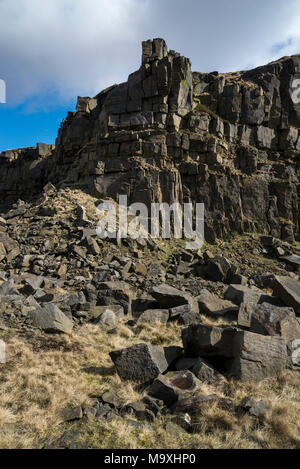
x: 229, y: 140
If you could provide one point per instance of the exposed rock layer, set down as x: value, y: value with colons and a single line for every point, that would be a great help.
x: 167, y: 134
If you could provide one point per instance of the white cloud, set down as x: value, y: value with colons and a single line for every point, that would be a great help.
x: 67, y: 47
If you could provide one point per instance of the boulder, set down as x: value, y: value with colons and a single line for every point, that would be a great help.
x: 204, y: 341
x: 170, y: 297
x: 257, y: 357
x: 268, y: 319
x: 240, y: 354
x: 292, y: 260
x: 206, y: 372
x: 288, y: 290
x: 51, y: 319
x: 72, y: 413
x: 154, y: 315
x: 115, y: 293
x: 238, y: 294
x: 143, y: 362
x: 220, y: 269
x: 171, y: 387
x: 213, y: 305
x: 295, y: 352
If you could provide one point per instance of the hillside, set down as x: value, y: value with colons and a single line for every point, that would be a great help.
x: 145, y: 343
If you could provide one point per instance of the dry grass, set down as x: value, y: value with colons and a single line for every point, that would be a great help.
x: 45, y: 374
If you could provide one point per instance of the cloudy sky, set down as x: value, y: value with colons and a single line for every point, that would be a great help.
x: 51, y: 51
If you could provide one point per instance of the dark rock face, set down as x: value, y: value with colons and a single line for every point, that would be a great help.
x: 143, y: 362
x: 230, y: 141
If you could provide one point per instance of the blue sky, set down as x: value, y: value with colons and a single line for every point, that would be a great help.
x: 54, y: 50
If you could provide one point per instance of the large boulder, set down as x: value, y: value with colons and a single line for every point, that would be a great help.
x: 152, y: 316
x: 268, y: 319
x: 51, y: 319
x: 220, y: 269
x: 170, y: 297
x: 257, y: 357
x: 288, y: 290
x: 143, y: 362
x: 237, y: 353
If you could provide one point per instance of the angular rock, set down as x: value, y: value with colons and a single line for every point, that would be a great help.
x: 171, y: 387
x: 288, y: 290
x: 142, y: 362
x: 193, y: 405
x: 205, y: 372
x: 241, y: 294
x: 213, y: 305
x: 268, y: 319
x: 115, y: 292
x: 240, y: 354
x: 51, y: 319
x: 292, y: 260
x: 72, y: 414
x: 154, y: 315
x: 8, y: 288
x: 170, y: 297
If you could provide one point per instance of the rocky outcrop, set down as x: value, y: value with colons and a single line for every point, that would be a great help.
x: 229, y: 140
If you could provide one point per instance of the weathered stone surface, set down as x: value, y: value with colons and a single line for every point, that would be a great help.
x: 170, y: 297
x: 268, y: 319
x: 142, y: 363
x: 257, y: 357
x: 173, y: 386
x: 241, y: 354
x: 205, y: 341
x: 74, y: 413
x: 213, y: 305
x: 241, y: 294
x: 288, y: 290
x: 51, y: 319
x: 115, y: 293
x: 292, y: 260
x: 154, y: 315
x: 205, y: 372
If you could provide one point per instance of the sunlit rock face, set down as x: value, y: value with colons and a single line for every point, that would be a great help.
x: 228, y: 140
